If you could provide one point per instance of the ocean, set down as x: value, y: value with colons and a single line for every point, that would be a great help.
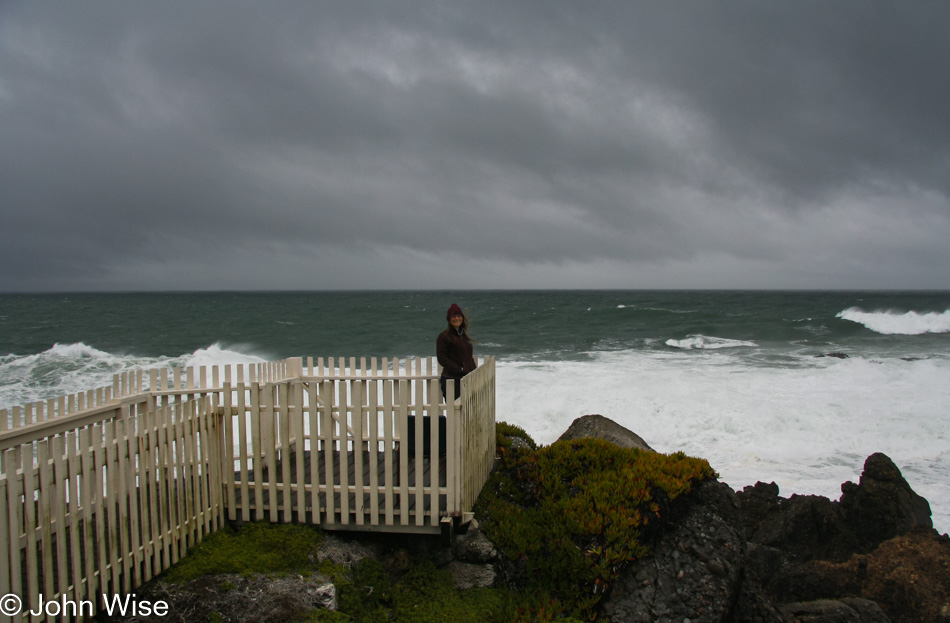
x: 792, y: 387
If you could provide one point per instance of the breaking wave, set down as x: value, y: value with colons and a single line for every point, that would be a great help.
x: 69, y: 368
x: 703, y: 342
x: 899, y: 323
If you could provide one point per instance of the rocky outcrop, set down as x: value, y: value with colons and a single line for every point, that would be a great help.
x: 731, y: 557
x: 808, y: 527
x: 882, y: 505
x: 696, y: 571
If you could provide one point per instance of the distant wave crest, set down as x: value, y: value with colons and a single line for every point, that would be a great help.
x: 703, y: 342
x: 899, y: 323
x: 657, y: 309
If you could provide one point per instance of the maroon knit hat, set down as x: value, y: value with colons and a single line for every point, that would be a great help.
x: 454, y: 310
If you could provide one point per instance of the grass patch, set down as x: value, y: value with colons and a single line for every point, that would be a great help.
x: 253, y: 548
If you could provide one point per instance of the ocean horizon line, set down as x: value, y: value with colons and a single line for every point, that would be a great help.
x: 453, y: 290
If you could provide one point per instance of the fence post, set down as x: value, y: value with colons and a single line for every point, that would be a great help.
x: 294, y: 367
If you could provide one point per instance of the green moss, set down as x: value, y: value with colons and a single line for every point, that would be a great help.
x: 573, y: 514
x: 254, y: 548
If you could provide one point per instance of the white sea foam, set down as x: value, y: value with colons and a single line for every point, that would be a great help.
x: 703, y: 342
x: 69, y: 368
x: 807, y: 428
x: 898, y: 323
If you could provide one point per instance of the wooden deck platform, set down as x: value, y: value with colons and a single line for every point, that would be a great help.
x: 247, y: 492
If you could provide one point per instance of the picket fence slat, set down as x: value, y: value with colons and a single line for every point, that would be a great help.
x: 9, y: 528
x: 59, y: 511
x: 297, y: 421
x: 283, y: 431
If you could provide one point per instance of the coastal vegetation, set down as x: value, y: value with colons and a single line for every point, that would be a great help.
x: 571, y: 516
x: 567, y: 519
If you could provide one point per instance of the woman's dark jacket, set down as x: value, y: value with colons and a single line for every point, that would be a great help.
x: 454, y: 351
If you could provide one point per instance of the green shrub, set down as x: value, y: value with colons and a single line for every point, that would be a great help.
x: 253, y: 548
x: 572, y: 515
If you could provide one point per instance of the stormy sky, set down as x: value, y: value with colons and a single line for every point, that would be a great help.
x: 484, y: 144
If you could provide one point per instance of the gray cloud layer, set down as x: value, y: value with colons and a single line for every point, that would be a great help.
x: 473, y: 145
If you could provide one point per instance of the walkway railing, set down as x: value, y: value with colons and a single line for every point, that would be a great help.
x: 102, y: 490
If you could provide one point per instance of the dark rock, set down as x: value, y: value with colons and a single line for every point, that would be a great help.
x: 823, y: 611
x: 835, y: 355
x: 847, y: 610
x: 807, y: 527
x: 882, y: 505
x: 758, y: 503
x: 813, y: 580
x: 813, y: 527
x: 600, y: 427
x: 763, y: 561
x: 868, y: 610
x: 803, y: 527
x: 907, y: 576
x: 695, y: 571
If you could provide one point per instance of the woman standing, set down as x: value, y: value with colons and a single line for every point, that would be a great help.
x: 454, y: 349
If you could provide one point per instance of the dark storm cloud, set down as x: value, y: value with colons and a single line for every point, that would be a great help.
x: 309, y: 145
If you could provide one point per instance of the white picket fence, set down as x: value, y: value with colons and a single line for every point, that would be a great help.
x: 102, y: 490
